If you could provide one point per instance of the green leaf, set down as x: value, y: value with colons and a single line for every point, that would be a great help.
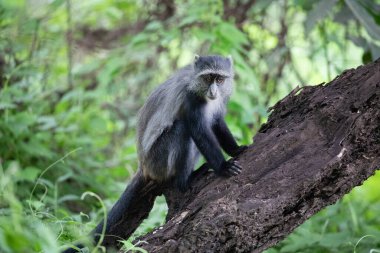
x: 373, y: 8
x: 344, y: 16
x: 20, y: 123
x: 375, y: 51
x: 232, y: 33
x: 365, y: 18
x: 28, y: 174
x: 334, y: 240
x: 46, y: 122
x: 320, y: 11
x: 5, y: 105
x: 68, y: 197
x: 37, y: 148
x: 298, y: 243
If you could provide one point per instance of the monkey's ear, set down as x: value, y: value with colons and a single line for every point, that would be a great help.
x: 230, y: 59
x: 196, y: 57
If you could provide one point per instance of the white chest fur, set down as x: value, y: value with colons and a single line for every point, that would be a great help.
x: 213, y: 108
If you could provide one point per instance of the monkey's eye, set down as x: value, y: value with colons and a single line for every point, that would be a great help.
x: 208, y: 78
x: 219, y: 80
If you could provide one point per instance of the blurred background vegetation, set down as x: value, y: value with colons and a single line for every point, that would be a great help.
x: 73, y: 75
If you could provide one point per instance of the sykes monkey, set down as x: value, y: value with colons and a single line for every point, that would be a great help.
x: 181, y: 119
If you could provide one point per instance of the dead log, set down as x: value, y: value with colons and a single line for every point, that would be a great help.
x: 319, y: 142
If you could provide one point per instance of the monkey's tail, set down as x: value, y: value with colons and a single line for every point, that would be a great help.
x: 121, y: 207
x: 124, y: 210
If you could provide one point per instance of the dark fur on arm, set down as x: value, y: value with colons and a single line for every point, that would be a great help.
x: 204, y: 139
x: 226, y: 139
x: 224, y: 136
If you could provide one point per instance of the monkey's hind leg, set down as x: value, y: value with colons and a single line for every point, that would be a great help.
x: 185, y: 165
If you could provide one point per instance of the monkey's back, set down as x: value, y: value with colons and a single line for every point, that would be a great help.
x: 156, y: 120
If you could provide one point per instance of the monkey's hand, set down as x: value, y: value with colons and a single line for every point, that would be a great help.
x: 239, y: 150
x: 229, y: 168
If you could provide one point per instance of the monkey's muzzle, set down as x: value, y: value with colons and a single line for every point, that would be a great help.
x: 212, y: 92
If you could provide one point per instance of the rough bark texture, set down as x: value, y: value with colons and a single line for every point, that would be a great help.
x: 319, y: 143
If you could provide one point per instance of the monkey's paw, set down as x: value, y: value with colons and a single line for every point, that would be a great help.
x: 230, y: 168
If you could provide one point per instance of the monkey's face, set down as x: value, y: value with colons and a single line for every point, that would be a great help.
x: 214, y: 76
x: 212, y: 85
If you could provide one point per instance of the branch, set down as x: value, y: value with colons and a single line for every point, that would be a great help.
x: 319, y: 143
x: 103, y: 38
x: 239, y: 11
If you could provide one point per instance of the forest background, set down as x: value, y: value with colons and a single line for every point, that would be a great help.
x: 73, y: 75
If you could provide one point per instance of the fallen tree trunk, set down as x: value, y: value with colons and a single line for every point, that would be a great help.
x: 319, y: 143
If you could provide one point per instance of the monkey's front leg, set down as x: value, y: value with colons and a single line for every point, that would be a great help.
x: 225, y: 138
x: 208, y: 145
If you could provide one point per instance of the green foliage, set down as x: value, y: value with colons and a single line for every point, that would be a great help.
x: 351, y: 225
x: 73, y: 75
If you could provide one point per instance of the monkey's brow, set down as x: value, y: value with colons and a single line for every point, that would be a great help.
x: 214, y: 72
x: 213, y: 76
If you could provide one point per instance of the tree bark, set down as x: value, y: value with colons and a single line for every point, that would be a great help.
x: 319, y: 142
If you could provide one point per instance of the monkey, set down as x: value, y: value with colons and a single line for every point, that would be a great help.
x: 181, y: 119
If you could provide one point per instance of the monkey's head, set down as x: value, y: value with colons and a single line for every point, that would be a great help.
x: 213, y: 77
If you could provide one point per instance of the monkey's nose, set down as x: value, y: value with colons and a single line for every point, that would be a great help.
x: 211, y: 97
x: 212, y: 92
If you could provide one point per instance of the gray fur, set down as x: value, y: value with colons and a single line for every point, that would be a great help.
x: 161, y: 138
x: 160, y: 110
